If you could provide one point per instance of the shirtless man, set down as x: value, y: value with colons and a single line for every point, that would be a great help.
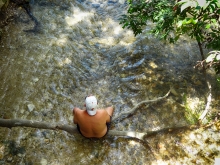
x: 92, y: 122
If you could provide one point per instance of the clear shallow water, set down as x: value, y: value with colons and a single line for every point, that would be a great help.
x: 81, y: 50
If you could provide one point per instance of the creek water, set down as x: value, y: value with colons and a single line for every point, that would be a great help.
x: 81, y: 49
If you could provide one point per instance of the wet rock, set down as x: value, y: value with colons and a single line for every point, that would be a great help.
x: 20, y: 155
x: 80, y: 1
x: 22, y: 111
x: 113, y: 145
x: 9, y: 159
x: 95, y: 5
x: 121, y: 1
x: 110, y: 8
x: 36, y: 113
x: 31, y: 107
x: 43, y: 162
x: 112, y: 1
x: 35, y: 79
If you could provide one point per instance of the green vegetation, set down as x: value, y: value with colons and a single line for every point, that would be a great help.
x: 192, y: 114
x: 198, y: 19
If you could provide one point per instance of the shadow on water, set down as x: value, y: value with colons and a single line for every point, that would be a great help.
x: 82, y: 49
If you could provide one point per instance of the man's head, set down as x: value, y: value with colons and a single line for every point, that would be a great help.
x: 91, y: 104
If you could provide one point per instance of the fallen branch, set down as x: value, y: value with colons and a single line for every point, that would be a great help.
x: 9, y: 123
x: 130, y: 112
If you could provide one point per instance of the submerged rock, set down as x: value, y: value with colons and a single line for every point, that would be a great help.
x: 31, y: 107
x: 96, y: 5
x: 43, y: 162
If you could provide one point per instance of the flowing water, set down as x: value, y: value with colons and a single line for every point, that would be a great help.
x: 81, y: 49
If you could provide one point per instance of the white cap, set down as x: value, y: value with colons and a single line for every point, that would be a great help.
x: 91, y: 104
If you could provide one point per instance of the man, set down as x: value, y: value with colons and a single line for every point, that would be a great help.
x: 92, y: 122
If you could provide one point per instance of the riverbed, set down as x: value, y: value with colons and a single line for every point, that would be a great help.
x: 80, y: 49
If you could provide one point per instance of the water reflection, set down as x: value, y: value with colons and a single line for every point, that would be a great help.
x: 81, y: 50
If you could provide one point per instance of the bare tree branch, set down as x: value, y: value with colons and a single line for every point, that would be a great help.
x: 130, y: 112
x: 9, y: 123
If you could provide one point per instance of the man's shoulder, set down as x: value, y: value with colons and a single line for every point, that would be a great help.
x: 78, y: 110
x: 101, y: 111
x: 104, y: 112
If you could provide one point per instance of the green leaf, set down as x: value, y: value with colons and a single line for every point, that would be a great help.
x: 176, y: 38
x: 208, y: 26
x: 213, y: 21
x: 194, y: 21
x: 198, y: 7
x: 213, y: 7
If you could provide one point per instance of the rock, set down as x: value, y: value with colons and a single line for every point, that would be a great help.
x: 35, y: 79
x: 9, y: 159
x: 30, y: 107
x: 112, y: 1
x: 121, y: 1
x: 110, y: 8
x: 22, y: 111
x: 43, y: 162
x: 20, y: 155
x: 96, y: 5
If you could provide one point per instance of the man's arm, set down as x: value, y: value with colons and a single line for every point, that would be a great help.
x: 75, y: 115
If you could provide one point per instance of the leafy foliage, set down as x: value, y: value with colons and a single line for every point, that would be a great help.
x: 196, y: 18
x: 200, y: 21
x: 157, y: 11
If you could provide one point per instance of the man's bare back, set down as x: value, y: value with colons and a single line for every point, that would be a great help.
x: 92, y: 124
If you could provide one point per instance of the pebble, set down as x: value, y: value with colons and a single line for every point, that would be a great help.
x: 110, y: 8
x: 30, y: 107
x: 95, y: 5
x: 43, y: 162
x: 9, y: 159
x: 22, y: 111
x: 112, y: 1
x: 35, y: 79
x: 19, y: 155
x: 121, y: 1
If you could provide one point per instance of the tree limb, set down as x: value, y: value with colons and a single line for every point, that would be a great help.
x: 130, y: 112
x: 9, y: 123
